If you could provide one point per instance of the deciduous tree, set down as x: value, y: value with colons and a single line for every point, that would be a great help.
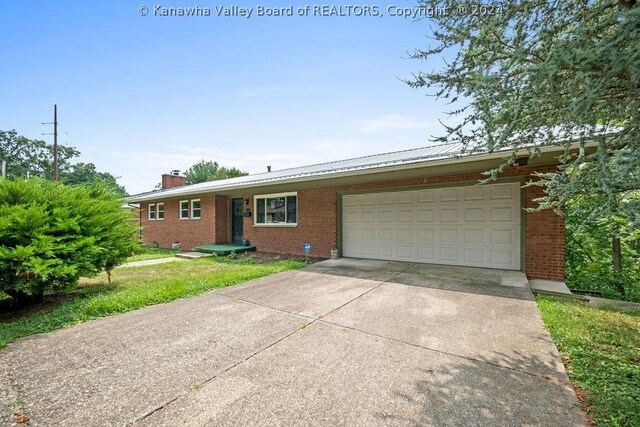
x: 210, y: 171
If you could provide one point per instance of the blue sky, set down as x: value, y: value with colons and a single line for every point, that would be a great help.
x: 141, y: 95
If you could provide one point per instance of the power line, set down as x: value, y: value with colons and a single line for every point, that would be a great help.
x: 97, y: 156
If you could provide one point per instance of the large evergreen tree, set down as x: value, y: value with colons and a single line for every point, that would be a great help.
x: 528, y: 73
x: 535, y: 72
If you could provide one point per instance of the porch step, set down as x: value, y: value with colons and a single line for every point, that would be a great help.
x: 223, y: 250
x: 192, y: 255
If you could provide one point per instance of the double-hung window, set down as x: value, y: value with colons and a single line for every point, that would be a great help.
x: 151, y: 212
x: 276, y: 209
x: 184, y: 209
x: 195, y: 209
x: 160, y: 211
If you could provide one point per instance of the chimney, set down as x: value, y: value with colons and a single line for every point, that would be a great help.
x: 269, y: 168
x: 173, y: 179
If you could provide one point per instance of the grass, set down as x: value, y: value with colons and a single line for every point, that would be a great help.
x: 153, y: 253
x: 137, y: 287
x: 601, y: 351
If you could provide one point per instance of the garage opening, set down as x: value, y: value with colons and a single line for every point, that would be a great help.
x: 476, y: 226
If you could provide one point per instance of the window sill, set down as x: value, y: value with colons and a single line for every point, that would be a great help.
x: 285, y: 225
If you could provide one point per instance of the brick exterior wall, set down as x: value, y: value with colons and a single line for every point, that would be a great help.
x: 544, y: 240
x: 222, y: 220
x: 318, y: 222
x: 189, y: 232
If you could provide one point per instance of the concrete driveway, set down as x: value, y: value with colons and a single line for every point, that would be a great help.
x: 346, y: 342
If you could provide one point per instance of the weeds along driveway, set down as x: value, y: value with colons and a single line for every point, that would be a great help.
x: 337, y: 343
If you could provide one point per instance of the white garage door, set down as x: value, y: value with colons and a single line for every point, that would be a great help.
x: 475, y: 226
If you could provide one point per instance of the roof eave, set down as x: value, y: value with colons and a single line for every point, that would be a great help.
x: 345, y: 173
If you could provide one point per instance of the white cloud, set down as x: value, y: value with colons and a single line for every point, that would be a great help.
x: 392, y: 122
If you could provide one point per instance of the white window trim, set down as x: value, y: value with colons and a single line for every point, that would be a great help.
x: 158, y: 211
x: 278, y: 224
x: 180, y: 209
x: 191, y: 210
x: 155, y: 212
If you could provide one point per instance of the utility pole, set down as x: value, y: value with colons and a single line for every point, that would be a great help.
x: 55, y: 142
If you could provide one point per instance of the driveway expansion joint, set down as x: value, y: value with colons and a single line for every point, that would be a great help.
x: 472, y: 359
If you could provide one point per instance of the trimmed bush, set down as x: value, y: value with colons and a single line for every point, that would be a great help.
x: 52, y: 234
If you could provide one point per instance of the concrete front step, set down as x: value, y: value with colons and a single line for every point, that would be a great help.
x: 192, y: 255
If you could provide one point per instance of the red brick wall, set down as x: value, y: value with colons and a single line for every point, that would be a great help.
x: 544, y: 238
x: 189, y: 232
x: 222, y: 220
x: 317, y: 223
x: 318, y: 218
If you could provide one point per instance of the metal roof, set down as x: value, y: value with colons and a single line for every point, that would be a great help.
x: 415, y: 157
x: 339, y: 167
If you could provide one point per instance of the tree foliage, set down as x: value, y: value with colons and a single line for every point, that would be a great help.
x: 31, y: 157
x: 522, y: 74
x: 532, y: 73
x: 210, y: 171
x: 51, y: 234
x: 589, y: 252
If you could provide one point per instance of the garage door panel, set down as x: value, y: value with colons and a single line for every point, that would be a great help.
x: 449, y: 214
x: 450, y: 255
x: 406, y: 197
x: 369, y: 200
x: 406, y: 235
x: 350, y: 201
x: 369, y: 216
x: 503, y: 236
x: 386, y: 216
x: 502, y: 257
x: 368, y: 234
x: 448, y: 235
x: 503, y: 214
x: 351, y: 216
x: 503, y: 191
x: 474, y: 193
x: 474, y: 256
x: 426, y: 215
x: 449, y: 195
x: 474, y: 235
x: 387, y: 251
x: 387, y: 234
x: 426, y: 254
x: 406, y: 253
x: 426, y: 235
x: 476, y: 225
x: 406, y: 215
x: 368, y: 249
x: 426, y: 196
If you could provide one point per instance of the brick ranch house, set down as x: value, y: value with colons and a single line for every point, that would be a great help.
x: 420, y: 205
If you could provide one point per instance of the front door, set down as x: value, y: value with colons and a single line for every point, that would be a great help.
x: 237, y: 221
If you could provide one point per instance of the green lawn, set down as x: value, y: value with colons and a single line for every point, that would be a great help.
x: 153, y: 253
x: 136, y: 287
x: 601, y: 351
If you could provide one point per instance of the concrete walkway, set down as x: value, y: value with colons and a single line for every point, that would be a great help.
x: 342, y: 342
x: 151, y: 262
